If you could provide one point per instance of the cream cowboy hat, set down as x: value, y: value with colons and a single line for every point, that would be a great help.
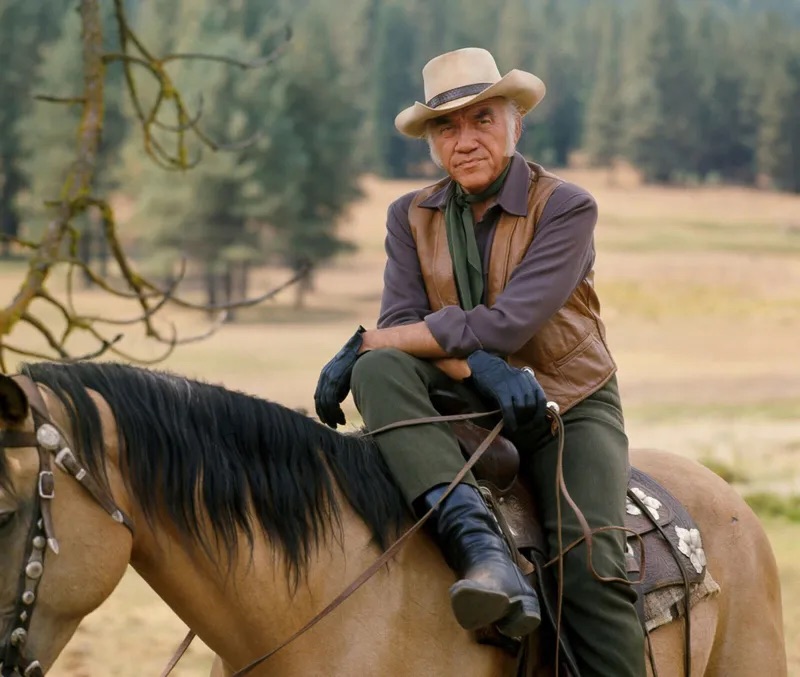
x: 458, y: 79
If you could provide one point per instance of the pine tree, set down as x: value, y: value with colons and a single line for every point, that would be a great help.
x: 394, y: 85
x: 195, y: 213
x: 603, y: 124
x: 779, y: 134
x: 47, y: 136
x: 24, y: 28
x: 661, y: 94
x: 554, y: 128
x: 724, y: 124
x: 48, y: 132
x: 306, y: 169
x: 515, y: 35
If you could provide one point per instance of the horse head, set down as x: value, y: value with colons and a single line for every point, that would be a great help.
x: 60, y: 553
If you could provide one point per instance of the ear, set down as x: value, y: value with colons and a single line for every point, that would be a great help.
x: 13, y: 402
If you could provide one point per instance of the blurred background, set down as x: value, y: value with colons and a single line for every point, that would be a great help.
x: 680, y: 117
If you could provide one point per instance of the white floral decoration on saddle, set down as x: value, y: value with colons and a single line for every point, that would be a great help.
x: 652, y: 504
x: 691, y: 545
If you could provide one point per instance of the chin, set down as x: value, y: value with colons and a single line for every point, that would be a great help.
x: 473, y: 178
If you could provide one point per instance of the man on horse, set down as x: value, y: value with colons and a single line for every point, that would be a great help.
x: 488, y: 293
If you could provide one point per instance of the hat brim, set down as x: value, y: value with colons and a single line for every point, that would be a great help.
x: 521, y: 87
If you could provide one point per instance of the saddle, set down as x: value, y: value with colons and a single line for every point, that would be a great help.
x: 673, y: 559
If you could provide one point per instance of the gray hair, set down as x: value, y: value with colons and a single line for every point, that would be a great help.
x: 513, y: 115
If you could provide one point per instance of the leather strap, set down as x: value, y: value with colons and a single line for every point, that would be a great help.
x: 35, y: 400
x: 387, y: 555
x: 65, y: 459
x: 394, y: 548
x: 46, y: 482
x: 588, y: 532
x: 182, y: 647
x: 431, y: 419
x: 17, y: 438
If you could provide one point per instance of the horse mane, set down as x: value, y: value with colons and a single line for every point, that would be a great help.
x: 188, y: 447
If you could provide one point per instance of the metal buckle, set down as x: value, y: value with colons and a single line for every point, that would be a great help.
x: 47, y: 475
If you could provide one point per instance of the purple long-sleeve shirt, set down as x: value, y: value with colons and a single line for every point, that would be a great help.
x: 559, y: 258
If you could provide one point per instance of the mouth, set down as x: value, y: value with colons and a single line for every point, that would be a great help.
x: 469, y: 164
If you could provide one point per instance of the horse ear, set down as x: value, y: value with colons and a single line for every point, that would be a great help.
x: 13, y: 401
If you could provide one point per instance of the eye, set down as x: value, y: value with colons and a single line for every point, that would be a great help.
x: 5, y: 518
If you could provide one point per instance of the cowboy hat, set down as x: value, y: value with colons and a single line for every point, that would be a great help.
x: 461, y: 78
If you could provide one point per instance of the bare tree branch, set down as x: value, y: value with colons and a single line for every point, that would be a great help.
x: 246, y: 303
x: 27, y: 244
x: 60, y: 99
x: 59, y: 243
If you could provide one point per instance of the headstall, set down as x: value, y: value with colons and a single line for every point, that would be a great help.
x: 51, y: 445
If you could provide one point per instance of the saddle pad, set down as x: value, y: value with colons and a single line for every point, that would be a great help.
x: 666, y: 561
x: 665, y: 605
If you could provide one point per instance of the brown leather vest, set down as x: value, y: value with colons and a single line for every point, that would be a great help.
x: 568, y: 354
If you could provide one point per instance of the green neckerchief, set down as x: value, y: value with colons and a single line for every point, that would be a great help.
x: 461, y: 241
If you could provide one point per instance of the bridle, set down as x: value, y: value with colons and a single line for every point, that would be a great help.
x: 51, y: 445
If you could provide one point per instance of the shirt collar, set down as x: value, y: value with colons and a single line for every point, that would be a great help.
x: 512, y: 198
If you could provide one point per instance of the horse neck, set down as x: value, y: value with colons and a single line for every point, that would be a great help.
x: 400, y: 621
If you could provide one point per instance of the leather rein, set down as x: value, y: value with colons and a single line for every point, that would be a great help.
x: 388, y: 554
x: 51, y: 445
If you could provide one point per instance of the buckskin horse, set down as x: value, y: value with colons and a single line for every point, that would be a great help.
x: 247, y: 518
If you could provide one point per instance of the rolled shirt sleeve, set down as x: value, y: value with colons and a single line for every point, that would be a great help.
x: 404, y: 300
x: 559, y: 258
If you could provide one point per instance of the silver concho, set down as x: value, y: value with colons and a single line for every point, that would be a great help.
x: 18, y: 637
x: 48, y: 437
x: 34, y: 570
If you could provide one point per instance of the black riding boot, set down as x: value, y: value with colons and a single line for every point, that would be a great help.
x: 492, y: 589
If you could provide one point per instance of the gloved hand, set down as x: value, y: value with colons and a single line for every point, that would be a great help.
x: 334, y: 382
x: 517, y: 393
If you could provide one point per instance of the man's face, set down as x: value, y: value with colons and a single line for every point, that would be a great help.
x: 472, y: 142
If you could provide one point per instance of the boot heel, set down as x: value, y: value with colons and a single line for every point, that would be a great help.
x: 476, y: 607
x: 523, y: 618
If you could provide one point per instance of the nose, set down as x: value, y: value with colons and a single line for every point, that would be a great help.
x: 466, y: 141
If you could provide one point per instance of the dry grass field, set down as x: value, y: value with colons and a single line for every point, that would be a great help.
x: 701, y: 293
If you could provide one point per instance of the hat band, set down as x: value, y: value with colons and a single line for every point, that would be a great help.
x: 457, y: 93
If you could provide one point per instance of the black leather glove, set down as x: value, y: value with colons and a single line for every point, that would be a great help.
x: 517, y: 393
x: 334, y: 382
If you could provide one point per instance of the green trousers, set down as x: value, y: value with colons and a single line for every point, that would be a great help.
x: 601, y: 619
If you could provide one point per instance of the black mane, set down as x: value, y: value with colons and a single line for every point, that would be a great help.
x: 188, y: 446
